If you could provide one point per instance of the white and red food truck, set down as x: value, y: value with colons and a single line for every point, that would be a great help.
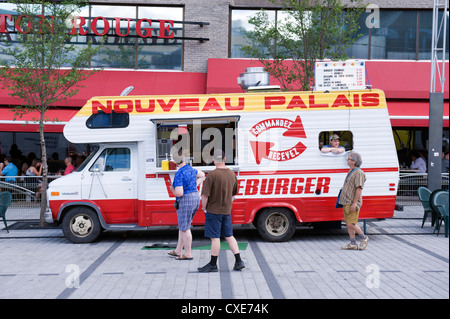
x: 272, y: 142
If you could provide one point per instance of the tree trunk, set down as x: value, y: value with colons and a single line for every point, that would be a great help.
x: 44, y: 171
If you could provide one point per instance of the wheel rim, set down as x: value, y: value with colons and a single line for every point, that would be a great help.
x: 277, y: 224
x: 81, y: 225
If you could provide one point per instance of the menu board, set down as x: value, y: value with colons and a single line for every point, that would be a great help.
x: 340, y: 75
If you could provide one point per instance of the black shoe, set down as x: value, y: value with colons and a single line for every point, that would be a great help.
x: 208, y: 268
x: 239, y: 265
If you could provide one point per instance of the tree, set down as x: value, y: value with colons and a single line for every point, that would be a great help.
x: 311, y: 30
x: 45, y: 68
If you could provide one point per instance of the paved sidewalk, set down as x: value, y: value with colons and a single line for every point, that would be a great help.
x: 402, y: 261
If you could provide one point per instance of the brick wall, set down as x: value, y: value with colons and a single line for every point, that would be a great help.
x: 196, y: 54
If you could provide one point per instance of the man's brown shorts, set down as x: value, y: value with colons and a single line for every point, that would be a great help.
x: 349, y: 217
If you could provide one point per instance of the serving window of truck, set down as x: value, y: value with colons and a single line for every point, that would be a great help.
x: 197, y: 138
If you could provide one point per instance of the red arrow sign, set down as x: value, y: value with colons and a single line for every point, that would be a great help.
x: 296, y: 129
x: 262, y: 150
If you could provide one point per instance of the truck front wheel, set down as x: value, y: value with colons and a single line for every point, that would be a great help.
x: 276, y: 224
x: 81, y: 225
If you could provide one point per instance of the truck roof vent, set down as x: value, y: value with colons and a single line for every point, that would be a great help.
x: 254, y: 77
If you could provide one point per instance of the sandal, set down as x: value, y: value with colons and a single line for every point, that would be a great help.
x: 183, y: 257
x: 173, y: 254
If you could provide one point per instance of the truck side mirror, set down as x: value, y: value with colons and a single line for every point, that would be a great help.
x: 98, y: 165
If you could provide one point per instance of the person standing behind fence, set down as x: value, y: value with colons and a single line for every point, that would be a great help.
x: 69, y: 166
x: 35, y: 169
x: 184, y: 187
x: 217, y: 198
x: 9, y: 170
x: 351, y: 199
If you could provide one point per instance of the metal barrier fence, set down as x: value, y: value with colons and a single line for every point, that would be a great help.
x: 408, y: 185
x: 26, y: 193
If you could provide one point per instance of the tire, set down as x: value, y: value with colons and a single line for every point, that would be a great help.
x: 276, y: 224
x: 81, y: 225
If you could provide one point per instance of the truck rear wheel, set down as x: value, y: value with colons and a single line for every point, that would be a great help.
x: 276, y: 224
x: 81, y: 225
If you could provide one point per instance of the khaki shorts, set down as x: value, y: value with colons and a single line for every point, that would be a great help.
x: 349, y: 217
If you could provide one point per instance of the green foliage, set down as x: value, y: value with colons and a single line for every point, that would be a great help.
x: 310, y: 31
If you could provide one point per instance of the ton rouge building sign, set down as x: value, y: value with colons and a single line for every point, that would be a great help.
x: 100, y: 26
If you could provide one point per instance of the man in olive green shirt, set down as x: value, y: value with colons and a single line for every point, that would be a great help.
x: 351, y: 199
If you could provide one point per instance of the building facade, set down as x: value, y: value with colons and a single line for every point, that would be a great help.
x: 194, y: 49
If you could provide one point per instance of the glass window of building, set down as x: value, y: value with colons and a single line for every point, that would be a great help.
x: 7, y: 8
x: 425, y: 32
x: 161, y: 53
x: 144, y: 46
x: 239, y: 26
x: 118, y: 51
x: 78, y: 40
x: 27, y: 145
x: 133, y: 36
x: 425, y: 38
x: 396, y: 36
x: 360, y: 48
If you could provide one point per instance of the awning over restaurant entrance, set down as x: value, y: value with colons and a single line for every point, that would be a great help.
x: 413, y: 113
x: 29, y: 122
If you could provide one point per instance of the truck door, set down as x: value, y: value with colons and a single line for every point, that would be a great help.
x: 110, y: 182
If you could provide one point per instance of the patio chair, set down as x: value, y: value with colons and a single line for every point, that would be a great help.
x: 424, y: 196
x: 440, y: 201
x: 5, y: 201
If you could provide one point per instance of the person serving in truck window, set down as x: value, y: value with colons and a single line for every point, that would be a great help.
x: 333, y: 147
